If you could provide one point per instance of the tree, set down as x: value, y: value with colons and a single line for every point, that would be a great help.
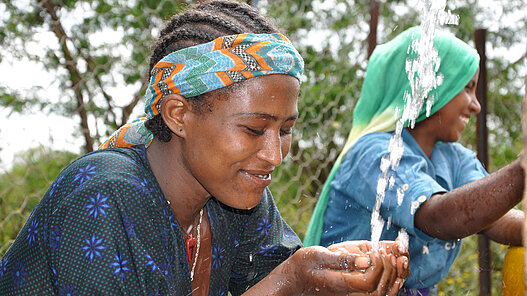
x: 92, y: 73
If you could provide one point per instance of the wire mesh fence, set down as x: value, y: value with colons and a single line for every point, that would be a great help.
x: 95, y: 54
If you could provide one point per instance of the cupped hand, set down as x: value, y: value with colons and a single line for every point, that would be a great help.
x: 348, y: 268
x: 395, y: 260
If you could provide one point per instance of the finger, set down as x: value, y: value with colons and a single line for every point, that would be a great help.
x: 397, y: 285
x: 322, y: 258
x: 340, y: 282
x: 389, y: 275
x: 354, y: 281
x: 354, y: 247
x: 403, y: 267
x: 366, y: 247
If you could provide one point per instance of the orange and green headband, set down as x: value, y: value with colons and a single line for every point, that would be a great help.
x: 206, y: 67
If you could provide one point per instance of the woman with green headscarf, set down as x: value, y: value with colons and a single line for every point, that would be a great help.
x: 447, y: 193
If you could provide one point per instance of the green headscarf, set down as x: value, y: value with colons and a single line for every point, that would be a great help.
x: 382, y: 98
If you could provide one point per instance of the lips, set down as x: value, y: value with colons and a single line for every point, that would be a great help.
x: 260, y: 179
x: 465, y: 119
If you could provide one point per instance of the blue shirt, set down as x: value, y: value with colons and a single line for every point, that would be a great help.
x: 354, y: 189
x: 104, y: 227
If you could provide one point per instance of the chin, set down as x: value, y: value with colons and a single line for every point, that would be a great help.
x: 242, y: 202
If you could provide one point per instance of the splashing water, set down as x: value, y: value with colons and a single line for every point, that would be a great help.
x: 423, y: 77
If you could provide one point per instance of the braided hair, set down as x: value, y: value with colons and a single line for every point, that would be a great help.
x: 199, y: 24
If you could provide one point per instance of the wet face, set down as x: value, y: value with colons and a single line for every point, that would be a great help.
x: 233, y: 149
x: 452, y: 119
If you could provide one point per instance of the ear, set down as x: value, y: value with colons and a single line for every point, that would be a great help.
x: 175, y: 109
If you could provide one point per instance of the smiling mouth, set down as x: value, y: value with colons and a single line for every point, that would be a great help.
x: 465, y: 119
x: 263, y: 179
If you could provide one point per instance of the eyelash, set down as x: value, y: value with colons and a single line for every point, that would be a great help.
x: 261, y: 132
x: 255, y: 132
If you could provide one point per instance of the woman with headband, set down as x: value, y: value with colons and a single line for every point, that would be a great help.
x: 177, y: 203
x: 440, y: 191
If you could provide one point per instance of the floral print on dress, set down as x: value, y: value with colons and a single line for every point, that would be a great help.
x: 263, y: 226
x: 3, y: 266
x: 217, y: 257
x: 93, y: 247
x: 85, y: 173
x: 120, y: 265
x: 142, y: 184
x: 32, y: 231
x: 150, y: 263
x: 267, y: 250
x: 97, y: 205
x: 55, y: 186
x: 129, y: 226
x: 54, y: 238
x: 19, y: 274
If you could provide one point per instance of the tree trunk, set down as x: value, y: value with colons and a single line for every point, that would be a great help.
x: 74, y: 73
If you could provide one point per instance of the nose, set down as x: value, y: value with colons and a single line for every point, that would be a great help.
x: 474, y: 106
x: 271, y: 150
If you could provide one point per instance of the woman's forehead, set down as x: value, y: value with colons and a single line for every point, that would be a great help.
x: 265, y: 93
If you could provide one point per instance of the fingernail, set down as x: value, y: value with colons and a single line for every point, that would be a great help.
x: 362, y: 262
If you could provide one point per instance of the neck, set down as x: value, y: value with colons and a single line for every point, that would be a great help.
x: 423, y: 139
x: 181, y: 189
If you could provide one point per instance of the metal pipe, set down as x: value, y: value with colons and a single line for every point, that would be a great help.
x: 524, y: 165
x: 374, y: 20
x: 484, y: 253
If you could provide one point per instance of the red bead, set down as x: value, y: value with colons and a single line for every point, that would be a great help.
x: 191, y: 248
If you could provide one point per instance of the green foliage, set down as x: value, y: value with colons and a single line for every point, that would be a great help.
x: 463, y: 278
x: 22, y: 187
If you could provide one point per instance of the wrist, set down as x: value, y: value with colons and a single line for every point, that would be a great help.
x: 276, y: 283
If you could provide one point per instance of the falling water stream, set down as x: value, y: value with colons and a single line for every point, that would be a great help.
x: 423, y: 77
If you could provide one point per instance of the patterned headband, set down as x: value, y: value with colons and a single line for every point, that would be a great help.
x: 206, y: 67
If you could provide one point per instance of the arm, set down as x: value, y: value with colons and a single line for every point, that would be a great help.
x: 473, y: 207
x: 507, y: 229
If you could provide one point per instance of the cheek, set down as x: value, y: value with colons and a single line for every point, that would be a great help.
x: 285, y: 145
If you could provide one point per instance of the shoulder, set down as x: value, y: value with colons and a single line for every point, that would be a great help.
x: 372, y: 143
x: 375, y: 140
x: 455, y: 151
x: 108, y: 162
x: 104, y: 171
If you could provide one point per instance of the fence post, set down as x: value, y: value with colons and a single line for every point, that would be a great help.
x: 524, y: 165
x: 484, y: 254
x: 374, y: 20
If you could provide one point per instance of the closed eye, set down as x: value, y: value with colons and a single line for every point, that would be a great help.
x: 470, y: 85
x: 286, y: 131
x: 254, y: 131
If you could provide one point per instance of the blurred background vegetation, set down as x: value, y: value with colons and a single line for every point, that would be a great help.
x: 96, y: 52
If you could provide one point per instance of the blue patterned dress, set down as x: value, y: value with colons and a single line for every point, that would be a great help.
x: 105, y: 228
